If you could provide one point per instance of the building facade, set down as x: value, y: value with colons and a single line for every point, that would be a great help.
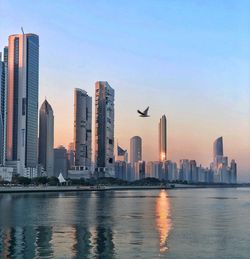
x: 82, y: 128
x: 22, y: 101
x: 163, y: 139
x: 135, y: 149
x: 104, y: 129
x: 46, y: 139
x: 60, y: 161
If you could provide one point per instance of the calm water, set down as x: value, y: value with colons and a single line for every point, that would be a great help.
x: 205, y: 223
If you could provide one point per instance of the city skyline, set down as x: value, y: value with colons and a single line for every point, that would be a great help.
x: 192, y: 126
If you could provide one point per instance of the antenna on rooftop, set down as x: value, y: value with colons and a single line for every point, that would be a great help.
x: 22, y: 30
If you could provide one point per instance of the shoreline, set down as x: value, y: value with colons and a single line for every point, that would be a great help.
x: 39, y: 189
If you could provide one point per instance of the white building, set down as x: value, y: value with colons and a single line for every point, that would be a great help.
x: 6, y: 173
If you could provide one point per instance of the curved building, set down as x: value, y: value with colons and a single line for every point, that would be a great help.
x: 46, y: 138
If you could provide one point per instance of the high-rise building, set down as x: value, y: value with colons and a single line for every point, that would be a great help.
x: 233, y: 169
x: 218, y: 150
x: 185, y: 170
x: 139, y: 170
x: 60, y: 161
x: 46, y: 139
x: 104, y: 128
x: 82, y: 128
x: 22, y: 102
x: 135, y: 149
x: 3, y: 103
x: 2, y: 108
x: 163, y: 139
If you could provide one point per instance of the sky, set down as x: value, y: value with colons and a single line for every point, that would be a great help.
x: 186, y: 59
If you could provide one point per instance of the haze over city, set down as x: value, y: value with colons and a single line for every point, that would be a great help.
x: 194, y: 69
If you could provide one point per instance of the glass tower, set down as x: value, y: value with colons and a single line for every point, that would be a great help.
x: 22, y: 102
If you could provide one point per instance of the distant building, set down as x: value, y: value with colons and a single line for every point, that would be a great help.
x: 233, y: 169
x: 154, y: 170
x: 163, y: 139
x: 82, y: 128
x: 193, y: 172
x: 121, y: 170
x: 104, y: 131
x: 22, y: 103
x: 60, y: 161
x: 79, y: 173
x: 185, y: 170
x: 135, y: 149
x: 169, y: 171
x: 46, y: 139
x: 222, y: 172
x: 218, y: 150
x: 71, y: 155
x: 139, y: 170
x: 6, y: 174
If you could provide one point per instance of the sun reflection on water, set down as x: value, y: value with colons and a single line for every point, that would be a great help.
x: 163, y: 220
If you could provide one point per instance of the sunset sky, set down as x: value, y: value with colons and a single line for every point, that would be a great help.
x: 186, y: 59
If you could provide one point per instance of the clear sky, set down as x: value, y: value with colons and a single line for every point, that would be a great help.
x: 186, y: 59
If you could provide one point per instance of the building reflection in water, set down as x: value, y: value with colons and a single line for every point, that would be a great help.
x: 103, y: 235
x: 65, y: 241
x: 163, y: 219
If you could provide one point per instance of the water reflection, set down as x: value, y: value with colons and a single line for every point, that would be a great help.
x: 163, y: 220
x: 91, y: 234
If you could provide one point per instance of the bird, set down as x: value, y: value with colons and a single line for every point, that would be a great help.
x: 144, y: 114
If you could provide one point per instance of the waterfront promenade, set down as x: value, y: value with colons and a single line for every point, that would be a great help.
x: 24, y: 189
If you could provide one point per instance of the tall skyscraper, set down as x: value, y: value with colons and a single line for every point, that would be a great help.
x: 82, y: 128
x: 218, y: 150
x: 22, y: 103
x: 135, y: 149
x: 104, y: 128
x: 46, y: 138
x: 163, y: 139
x: 3, y: 103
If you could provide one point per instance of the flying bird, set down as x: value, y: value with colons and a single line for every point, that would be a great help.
x: 143, y: 114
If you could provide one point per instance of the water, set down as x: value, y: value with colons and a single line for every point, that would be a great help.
x: 201, y: 223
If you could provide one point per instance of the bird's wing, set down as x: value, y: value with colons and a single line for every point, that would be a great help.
x: 140, y: 112
x: 146, y: 111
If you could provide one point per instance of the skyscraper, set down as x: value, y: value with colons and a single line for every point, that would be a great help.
x: 22, y: 103
x: 60, y: 161
x: 82, y: 128
x: 163, y: 139
x: 104, y: 128
x: 2, y: 101
x: 46, y: 138
x: 135, y: 149
x: 218, y: 150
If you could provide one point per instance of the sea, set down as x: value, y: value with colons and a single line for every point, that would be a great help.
x: 178, y: 223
